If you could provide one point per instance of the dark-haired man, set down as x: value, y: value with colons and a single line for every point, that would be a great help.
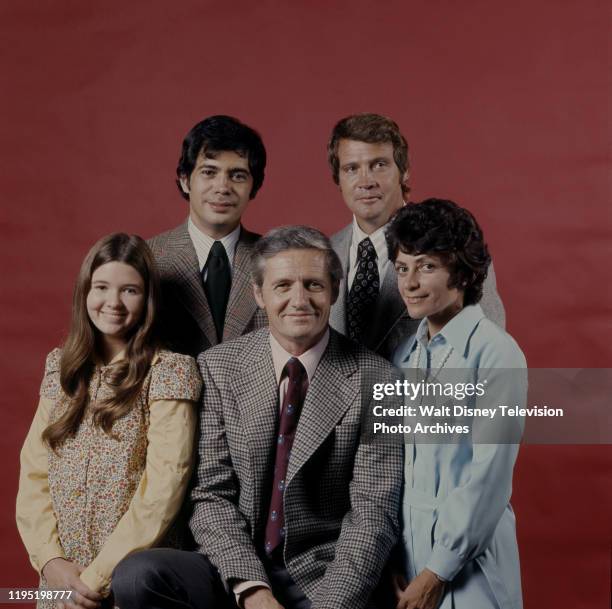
x: 368, y: 157
x: 204, y: 262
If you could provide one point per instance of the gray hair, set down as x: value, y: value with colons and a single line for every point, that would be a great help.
x: 294, y: 237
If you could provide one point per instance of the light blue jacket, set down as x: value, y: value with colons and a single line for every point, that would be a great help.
x: 457, y: 519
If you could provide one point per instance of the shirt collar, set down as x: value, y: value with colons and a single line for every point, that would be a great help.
x: 377, y: 238
x: 309, y: 359
x: 99, y: 364
x: 456, y: 332
x: 203, y: 242
x: 120, y: 356
x: 402, y: 357
x: 422, y: 332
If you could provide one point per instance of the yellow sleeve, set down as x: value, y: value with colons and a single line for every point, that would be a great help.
x: 160, y: 493
x: 35, y: 518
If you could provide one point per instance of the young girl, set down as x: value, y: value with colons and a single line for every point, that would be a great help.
x: 107, y: 459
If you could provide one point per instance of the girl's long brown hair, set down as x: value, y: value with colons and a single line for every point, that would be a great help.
x: 82, y: 344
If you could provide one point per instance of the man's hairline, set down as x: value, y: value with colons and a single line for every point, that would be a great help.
x: 202, y: 153
x: 403, y: 176
x: 356, y: 139
x: 323, y: 252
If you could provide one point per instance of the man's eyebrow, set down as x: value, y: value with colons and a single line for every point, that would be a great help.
x: 378, y: 159
x: 216, y: 167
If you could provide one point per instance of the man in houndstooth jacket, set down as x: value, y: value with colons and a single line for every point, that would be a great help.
x: 220, y: 170
x: 340, y: 494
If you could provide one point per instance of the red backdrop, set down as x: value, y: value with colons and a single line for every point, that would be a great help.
x: 506, y: 109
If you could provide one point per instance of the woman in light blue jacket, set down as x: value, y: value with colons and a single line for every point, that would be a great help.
x: 459, y: 536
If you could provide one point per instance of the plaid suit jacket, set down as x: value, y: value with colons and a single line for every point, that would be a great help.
x: 391, y: 323
x: 342, y: 495
x: 186, y: 321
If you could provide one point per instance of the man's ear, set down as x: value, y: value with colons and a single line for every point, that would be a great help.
x: 184, y: 180
x: 258, y: 296
x: 405, y: 179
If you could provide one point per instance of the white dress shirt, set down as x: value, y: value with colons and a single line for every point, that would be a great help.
x: 203, y: 243
x: 309, y: 359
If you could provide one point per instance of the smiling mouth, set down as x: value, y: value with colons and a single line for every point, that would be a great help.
x: 115, y: 316
x: 220, y: 205
x: 415, y: 299
x: 369, y: 199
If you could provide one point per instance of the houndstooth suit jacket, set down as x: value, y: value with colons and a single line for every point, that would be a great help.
x: 187, y: 325
x: 341, y: 497
x: 391, y: 323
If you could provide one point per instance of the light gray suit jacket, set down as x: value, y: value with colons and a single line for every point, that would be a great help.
x: 391, y: 322
x: 187, y: 325
x: 341, y: 497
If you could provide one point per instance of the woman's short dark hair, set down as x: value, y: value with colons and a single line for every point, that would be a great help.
x: 221, y: 134
x: 441, y: 227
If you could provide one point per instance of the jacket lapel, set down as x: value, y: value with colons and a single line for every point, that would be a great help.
x: 256, y: 393
x: 389, y: 309
x: 341, y: 244
x: 183, y: 267
x: 241, y: 305
x: 329, y: 396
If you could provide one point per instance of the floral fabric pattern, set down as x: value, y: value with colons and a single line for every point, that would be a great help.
x: 93, y: 476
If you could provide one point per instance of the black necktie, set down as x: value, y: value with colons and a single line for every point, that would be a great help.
x: 217, y: 284
x: 364, y: 291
